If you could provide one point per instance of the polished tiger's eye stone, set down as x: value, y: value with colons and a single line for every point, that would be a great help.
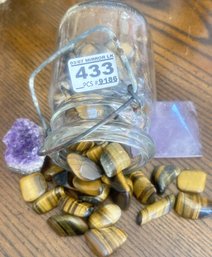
x: 156, y: 210
x: 88, y: 187
x: 192, y: 181
x: 96, y: 199
x: 143, y: 189
x: 63, y: 179
x: 130, y: 184
x: 103, y: 242
x: 95, y: 152
x: 32, y: 186
x: 83, y: 168
x: 75, y: 207
x: 105, y: 216
x: 122, y: 199
x: 49, y: 200
x: 163, y: 175
x: 121, y: 193
x: 114, y: 159
x: 67, y: 225
x: 84, y: 146
x: 106, y: 180
x: 193, y: 206
x: 52, y: 171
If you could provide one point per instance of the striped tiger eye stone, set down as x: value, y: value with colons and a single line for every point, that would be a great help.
x: 84, y: 146
x: 164, y: 175
x: 32, y: 186
x: 95, y: 152
x: 75, y: 207
x: 114, y: 159
x: 192, y: 181
x: 143, y: 189
x: 52, y: 171
x: 193, y: 206
x: 96, y: 199
x: 48, y: 201
x: 156, y: 210
x: 67, y: 225
x: 105, y: 216
x: 83, y: 168
x: 88, y: 187
x: 64, y: 179
x: 103, y: 242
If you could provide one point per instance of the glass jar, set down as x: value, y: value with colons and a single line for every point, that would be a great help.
x: 104, y: 50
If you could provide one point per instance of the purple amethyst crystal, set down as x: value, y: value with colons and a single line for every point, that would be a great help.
x: 23, y: 141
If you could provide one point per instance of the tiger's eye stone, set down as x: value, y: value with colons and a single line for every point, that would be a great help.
x: 121, y: 186
x: 106, y: 180
x: 63, y: 179
x: 193, y: 206
x: 32, y: 186
x: 52, y: 171
x: 163, y: 175
x: 155, y: 210
x: 103, y: 242
x: 96, y: 199
x: 83, y: 168
x: 192, y: 181
x: 88, y: 187
x: 105, y: 216
x: 95, y: 152
x: 130, y: 184
x: 114, y: 159
x: 75, y: 207
x: 67, y: 225
x: 48, y: 201
x: 143, y: 189
x: 122, y: 199
x: 84, y: 146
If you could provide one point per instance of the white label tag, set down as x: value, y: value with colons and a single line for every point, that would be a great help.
x: 93, y: 72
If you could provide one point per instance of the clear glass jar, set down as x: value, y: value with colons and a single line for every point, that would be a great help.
x: 122, y: 32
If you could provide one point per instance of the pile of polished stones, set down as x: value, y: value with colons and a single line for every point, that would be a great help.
x: 98, y: 170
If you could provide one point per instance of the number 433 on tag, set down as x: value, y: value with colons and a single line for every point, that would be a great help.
x: 93, y: 72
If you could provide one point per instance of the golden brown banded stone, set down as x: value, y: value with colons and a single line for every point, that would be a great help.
x: 95, y: 152
x: 84, y: 146
x: 155, y: 210
x: 88, y: 187
x: 192, y: 181
x: 143, y: 189
x: 164, y: 175
x: 52, y: 171
x: 49, y: 200
x: 114, y: 159
x: 83, y: 168
x: 103, y: 242
x: 67, y: 225
x: 193, y: 206
x: 32, y: 186
x: 121, y: 190
x: 75, y: 207
x: 96, y: 199
x: 105, y: 216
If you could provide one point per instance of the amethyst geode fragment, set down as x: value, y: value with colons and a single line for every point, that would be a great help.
x: 23, y: 141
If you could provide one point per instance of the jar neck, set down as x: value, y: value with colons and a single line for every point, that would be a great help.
x: 65, y: 126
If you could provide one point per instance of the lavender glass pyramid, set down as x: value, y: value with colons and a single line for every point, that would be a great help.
x: 175, y: 131
x: 22, y: 142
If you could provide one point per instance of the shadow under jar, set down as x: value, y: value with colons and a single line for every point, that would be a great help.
x: 109, y: 53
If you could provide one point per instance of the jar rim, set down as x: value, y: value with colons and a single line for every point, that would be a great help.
x: 108, y: 3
